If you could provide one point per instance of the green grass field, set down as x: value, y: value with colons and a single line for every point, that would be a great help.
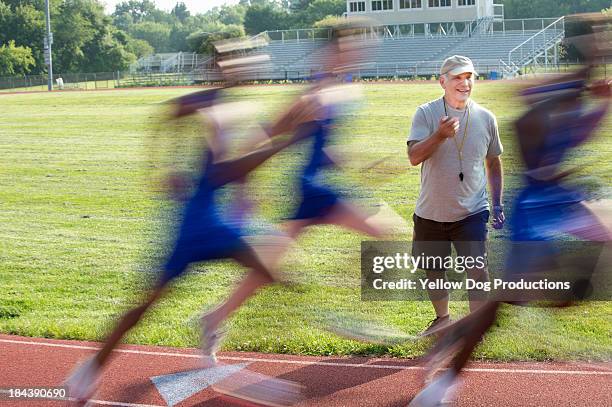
x: 80, y: 227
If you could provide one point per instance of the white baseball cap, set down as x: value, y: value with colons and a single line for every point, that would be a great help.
x: 457, y: 64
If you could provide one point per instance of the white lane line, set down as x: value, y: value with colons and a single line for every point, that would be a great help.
x: 118, y: 403
x: 316, y: 363
x: 101, y: 402
x: 176, y: 387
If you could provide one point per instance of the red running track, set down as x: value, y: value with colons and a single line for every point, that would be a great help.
x: 328, y: 381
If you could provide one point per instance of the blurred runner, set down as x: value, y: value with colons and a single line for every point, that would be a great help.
x: 204, y: 234
x: 557, y: 122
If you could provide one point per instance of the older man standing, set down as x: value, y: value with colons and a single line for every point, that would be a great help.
x: 454, y: 138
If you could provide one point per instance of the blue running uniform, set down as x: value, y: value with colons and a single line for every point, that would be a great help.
x: 317, y: 198
x: 543, y: 206
x: 203, y: 234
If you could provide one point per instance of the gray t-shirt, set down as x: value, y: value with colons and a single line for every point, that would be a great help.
x: 444, y: 197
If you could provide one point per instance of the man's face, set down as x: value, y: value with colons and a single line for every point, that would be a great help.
x: 457, y: 88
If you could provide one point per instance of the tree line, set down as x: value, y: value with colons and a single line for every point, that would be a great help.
x: 85, y: 39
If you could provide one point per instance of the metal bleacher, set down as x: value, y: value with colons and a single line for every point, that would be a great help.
x: 168, y: 62
x: 504, y: 48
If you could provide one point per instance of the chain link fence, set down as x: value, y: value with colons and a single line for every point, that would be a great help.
x: 71, y: 81
x: 374, y: 72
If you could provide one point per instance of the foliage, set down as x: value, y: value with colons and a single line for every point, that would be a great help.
x: 84, y: 38
x: 15, y: 60
x: 156, y: 34
x: 550, y: 8
x: 266, y: 17
x: 317, y: 10
x: 180, y: 12
x: 202, y: 41
x: 138, y: 10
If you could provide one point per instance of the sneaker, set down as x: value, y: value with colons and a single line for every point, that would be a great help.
x: 83, y: 381
x: 437, y: 325
x: 209, y: 342
x: 259, y: 389
x: 439, y: 392
x: 351, y: 327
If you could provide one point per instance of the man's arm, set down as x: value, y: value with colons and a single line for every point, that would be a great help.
x: 419, y: 151
x: 235, y: 169
x: 495, y: 175
x: 298, y: 118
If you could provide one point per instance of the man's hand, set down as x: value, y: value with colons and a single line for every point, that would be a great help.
x: 448, y: 127
x: 498, y: 217
x: 419, y: 151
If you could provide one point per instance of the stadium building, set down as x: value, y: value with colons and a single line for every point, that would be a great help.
x: 415, y: 36
x: 399, y: 12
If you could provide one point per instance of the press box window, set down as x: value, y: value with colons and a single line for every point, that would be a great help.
x: 404, y: 4
x: 357, y: 6
x: 379, y: 5
x: 439, y: 3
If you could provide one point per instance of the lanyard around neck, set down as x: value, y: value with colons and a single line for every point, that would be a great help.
x: 458, y: 146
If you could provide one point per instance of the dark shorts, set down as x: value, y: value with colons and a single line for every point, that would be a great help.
x: 202, y: 242
x: 434, y: 239
x: 317, y: 201
x: 542, y: 210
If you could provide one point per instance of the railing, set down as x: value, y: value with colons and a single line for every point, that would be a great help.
x: 262, y: 35
x: 456, y: 28
x: 543, y: 39
x: 309, y: 34
x: 424, y: 68
x: 468, y: 29
x: 168, y: 62
x: 509, y: 70
x: 203, y: 62
x: 524, y: 25
x: 483, y: 25
x: 372, y: 70
x: 498, y: 12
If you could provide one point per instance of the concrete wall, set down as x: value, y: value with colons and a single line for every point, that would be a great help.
x: 482, y: 8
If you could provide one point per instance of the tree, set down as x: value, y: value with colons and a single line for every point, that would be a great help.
x: 84, y: 38
x: 139, y: 48
x: 317, y: 10
x: 180, y: 12
x: 202, y: 41
x: 15, y: 60
x: 5, y: 18
x: 138, y: 9
x: 107, y: 54
x: 232, y: 14
x: 178, y: 36
x: 265, y: 17
x: 156, y: 34
x: 73, y: 29
x: 550, y: 8
x: 326, y: 22
x: 25, y: 25
x: 123, y: 21
x: 300, y: 5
